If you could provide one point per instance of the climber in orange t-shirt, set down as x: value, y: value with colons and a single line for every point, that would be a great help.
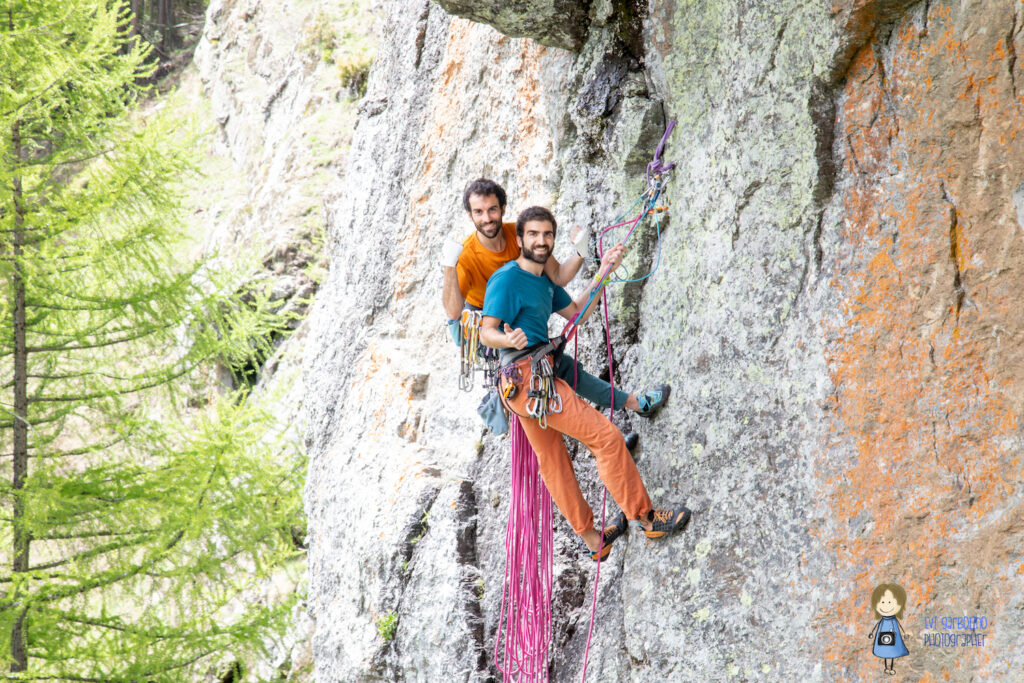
x: 469, y: 264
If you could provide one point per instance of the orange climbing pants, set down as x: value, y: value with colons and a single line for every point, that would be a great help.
x: 584, y: 423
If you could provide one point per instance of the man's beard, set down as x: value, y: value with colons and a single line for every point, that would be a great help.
x: 490, y: 229
x: 532, y: 255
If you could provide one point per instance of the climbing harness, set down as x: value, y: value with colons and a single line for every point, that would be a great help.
x: 526, y: 591
x: 474, y: 356
x: 543, y: 398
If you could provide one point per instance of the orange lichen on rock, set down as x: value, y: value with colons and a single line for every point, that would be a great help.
x: 447, y: 110
x: 517, y: 128
x: 927, y: 364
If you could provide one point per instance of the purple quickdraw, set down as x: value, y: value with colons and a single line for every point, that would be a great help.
x: 655, y: 167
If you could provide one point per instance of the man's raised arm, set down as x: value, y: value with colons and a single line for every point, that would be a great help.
x: 563, y: 273
x: 451, y: 295
x: 612, y: 259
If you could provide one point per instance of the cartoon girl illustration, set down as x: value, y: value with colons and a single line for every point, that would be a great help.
x: 888, y: 601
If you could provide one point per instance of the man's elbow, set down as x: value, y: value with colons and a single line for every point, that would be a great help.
x: 452, y: 309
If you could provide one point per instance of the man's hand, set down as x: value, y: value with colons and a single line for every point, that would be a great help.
x: 450, y: 253
x: 612, y: 259
x: 580, y: 238
x: 516, y: 338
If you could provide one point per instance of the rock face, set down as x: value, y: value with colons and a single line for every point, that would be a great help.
x: 833, y: 304
x: 555, y: 23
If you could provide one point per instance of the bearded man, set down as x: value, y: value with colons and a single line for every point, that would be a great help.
x: 520, y: 299
x: 469, y: 265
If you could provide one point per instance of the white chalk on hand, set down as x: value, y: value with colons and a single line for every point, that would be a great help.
x: 450, y: 253
x: 582, y: 242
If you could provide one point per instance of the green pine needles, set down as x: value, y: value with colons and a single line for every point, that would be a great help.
x: 135, y: 530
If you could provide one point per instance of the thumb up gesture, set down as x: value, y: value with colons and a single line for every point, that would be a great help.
x: 516, y: 338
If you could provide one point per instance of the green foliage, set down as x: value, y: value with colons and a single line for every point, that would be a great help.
x: 140, y: 529
x: 423, y: 525
x: 319, y: 37
x: 353, y: 71
x: 339, y: 39
x: 387, y: 626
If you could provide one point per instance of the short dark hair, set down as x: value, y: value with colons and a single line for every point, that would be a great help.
x: 484, y: 187
x: 535, y: 213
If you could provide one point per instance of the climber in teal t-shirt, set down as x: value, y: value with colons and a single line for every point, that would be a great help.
x: 524, y: 300
x: 517, y: 304
x: 484, y: 201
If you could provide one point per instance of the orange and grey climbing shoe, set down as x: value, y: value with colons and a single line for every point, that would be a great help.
x: 666, y: 521
x: 611, y: 532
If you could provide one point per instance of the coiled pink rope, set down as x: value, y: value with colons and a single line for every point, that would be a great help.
x: 525, y: 618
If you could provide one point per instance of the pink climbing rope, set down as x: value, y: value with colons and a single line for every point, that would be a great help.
x: 604, y: 496
x: 525, y: 618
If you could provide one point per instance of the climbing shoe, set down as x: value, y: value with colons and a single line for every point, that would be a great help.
x: 616, y: 528
x: 666, y: 521
x: 652, y: 400
x: 632, y: 439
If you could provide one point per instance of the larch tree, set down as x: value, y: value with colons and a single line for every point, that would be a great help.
x: 134, y: 527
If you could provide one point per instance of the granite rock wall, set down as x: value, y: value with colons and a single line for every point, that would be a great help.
x: 833, y: 304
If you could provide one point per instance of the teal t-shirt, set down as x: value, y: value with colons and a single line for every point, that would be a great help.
x: 524, y: 300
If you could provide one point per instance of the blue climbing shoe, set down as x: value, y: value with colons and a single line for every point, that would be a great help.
x: 652, y: 400
x: 612, y: 531
x: 666, y: 521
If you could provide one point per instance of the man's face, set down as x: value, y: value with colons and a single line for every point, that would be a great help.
x: 538, y: 240
x: 486, y: 213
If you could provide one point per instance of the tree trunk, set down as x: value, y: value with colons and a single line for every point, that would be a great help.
x: 166, y: 22
x: 19, y: 656
x: 137, y: 7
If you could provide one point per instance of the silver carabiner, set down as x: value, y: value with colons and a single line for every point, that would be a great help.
x: 533, y: 407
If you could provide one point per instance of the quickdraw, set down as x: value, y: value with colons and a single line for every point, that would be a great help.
x: 473, y: 356
x: 543, y: 398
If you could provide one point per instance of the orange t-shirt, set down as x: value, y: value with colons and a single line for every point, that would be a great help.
x: 477, y: 263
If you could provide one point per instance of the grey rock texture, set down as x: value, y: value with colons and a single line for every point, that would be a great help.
x: 555, y: 23
x: 833, y: 305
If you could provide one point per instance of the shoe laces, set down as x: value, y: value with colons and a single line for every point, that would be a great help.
x: 662, y: 515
